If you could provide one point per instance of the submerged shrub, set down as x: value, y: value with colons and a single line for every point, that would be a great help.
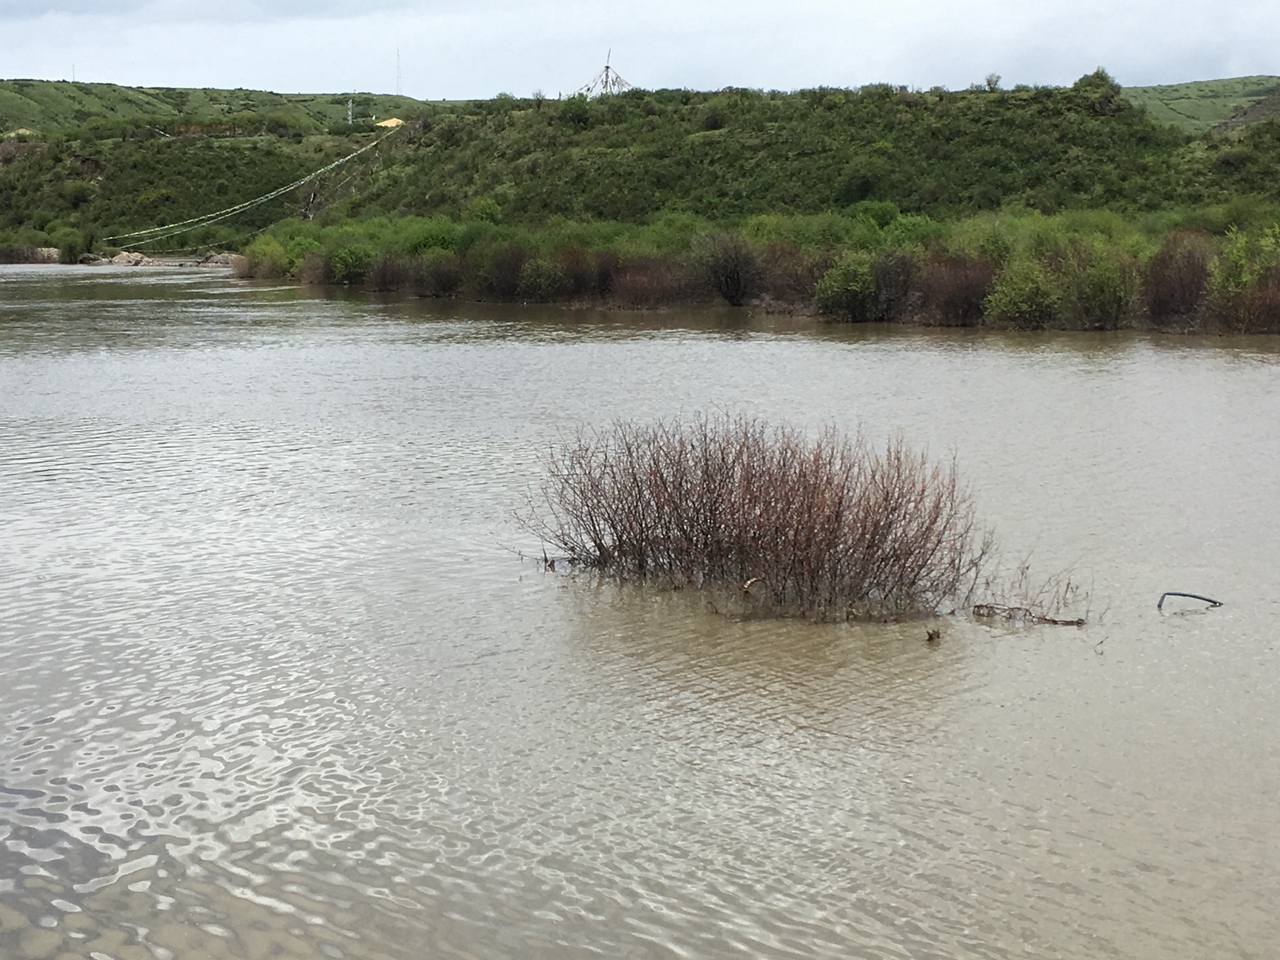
x: 1024, y: 295
x: 1242, y: 278
x: 790, y: 274
x: 389, y: 271
x: 350, y: 263
x: 953, y: 290
x: 648, y: 282
x: 846, y: 290
x: 1177, y: 280
x: 438, y: 274
x: 500, y: 271
x: 1100, y: 287
x: 542, y: 280
x: 826, y: 528
x: 731, y: 266
x: 894, y: 276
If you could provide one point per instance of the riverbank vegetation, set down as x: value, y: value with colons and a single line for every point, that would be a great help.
x: 772, y: 522
x: 1027, y: 208
x: 1214, y: 270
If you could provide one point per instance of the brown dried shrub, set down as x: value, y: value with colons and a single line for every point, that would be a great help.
x: 1177, y: 280
x: 730, y: 266
x: 438, y: 274
x: 314, y: 268
x: 389, y: 271
x: 953, y: 290
x: 579, y: 272
x: 606, y: 268
x: 790, y: 274
x: 499, y: 273
x: 1255, y: 309
x: 894, y: 275
x: 824, y: 528
x: 649, y: 282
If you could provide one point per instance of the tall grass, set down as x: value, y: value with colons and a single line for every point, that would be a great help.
x: 823, y: 527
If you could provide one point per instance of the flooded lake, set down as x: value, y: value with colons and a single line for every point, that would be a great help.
x: 278, y: 682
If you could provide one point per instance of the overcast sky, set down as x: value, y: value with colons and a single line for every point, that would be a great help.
x: 479, y: 48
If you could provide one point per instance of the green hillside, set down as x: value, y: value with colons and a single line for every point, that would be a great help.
x: 49, y: 107
x: 1201, y: 105
x: 630, y: 158
x: 1268, y: 108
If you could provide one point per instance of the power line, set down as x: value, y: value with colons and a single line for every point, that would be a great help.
x: 183, y: 226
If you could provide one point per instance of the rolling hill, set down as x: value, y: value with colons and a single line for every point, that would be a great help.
x: 1200, y: 106
x: 53, y: 107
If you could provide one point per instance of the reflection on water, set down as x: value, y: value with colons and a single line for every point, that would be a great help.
x: 278, y: 682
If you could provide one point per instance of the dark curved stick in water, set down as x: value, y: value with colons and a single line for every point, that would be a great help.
x: 1194, y: 596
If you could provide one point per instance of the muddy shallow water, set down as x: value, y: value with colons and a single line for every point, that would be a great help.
x: 278, y: 682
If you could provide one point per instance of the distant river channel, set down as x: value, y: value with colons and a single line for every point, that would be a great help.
x: 278, y: 679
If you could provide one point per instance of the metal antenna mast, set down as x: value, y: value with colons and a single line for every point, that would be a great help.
x: 606, y: 82
x: 397, y: 71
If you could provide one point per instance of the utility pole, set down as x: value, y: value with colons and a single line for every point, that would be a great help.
x: 350, y: 104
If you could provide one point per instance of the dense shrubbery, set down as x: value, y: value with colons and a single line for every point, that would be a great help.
x: 780, y: 524
x: 1017, y: 269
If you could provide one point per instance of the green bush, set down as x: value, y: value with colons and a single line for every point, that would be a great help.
x: 265, y: 257
x: 542, y: 281
x: 482, y: 209
x: 1100, y: 286
x: 70, y: 243
x: 1025, y: 296
x: 846, y: 291
x: 437, y: 233
x: 350, y: 263
x: 298, y: 249
x: 1243, y: 281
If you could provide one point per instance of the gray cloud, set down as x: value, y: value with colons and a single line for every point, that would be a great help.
x: 479, y: 49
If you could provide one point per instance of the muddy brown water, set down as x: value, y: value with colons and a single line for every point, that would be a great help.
x: 276, y: 680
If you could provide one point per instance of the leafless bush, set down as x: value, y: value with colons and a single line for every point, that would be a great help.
x: 579, y: 272
x: 953, y: 290
x: 649, y: 282
x: 438, y: 274
x: 389, y: 271
x: 790, y: 274
x: 500, y: 275
x: 731, y: 266
x: 894, y: 275
x: 1177, y: 280
x: 825, y: 528
x: 314, y: 268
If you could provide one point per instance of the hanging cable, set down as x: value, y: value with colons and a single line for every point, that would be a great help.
x: 173, y: 229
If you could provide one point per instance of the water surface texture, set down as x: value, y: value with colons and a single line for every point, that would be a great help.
x: 277, y: 681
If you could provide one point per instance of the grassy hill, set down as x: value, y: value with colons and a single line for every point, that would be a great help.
x: 1204, y: 104
x: 1258, y: 111
x: 53, y: 107
x: 126, y: 159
